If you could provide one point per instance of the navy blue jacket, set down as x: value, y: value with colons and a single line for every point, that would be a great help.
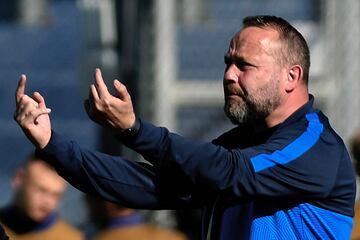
x: 293, y: 181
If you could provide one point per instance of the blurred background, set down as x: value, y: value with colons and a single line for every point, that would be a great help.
x: 170, y: 55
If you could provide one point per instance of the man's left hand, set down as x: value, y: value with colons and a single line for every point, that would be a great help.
x: 110, y: 111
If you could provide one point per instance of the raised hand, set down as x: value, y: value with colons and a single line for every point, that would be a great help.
x: 115, y: 112
x: 32, y: 115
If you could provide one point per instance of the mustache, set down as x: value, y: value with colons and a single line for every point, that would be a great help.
x: 234, y: 89
x: 229, y: 91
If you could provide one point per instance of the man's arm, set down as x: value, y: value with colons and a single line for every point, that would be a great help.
x: 206, y: 165
x: 129, y: 183
x: 293, y: 174
x: 114, y: 179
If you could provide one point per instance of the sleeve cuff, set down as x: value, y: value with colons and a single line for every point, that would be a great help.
x: 130, y: 134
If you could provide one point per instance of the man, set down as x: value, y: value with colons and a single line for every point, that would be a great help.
x: 355, y: 150
x: 31, y: 214
x: 117, y: 222
x: 281, y: 173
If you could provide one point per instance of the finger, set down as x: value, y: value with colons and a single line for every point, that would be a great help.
x: 121, y: 90
x: 39, y: 99
x: 26, y: 102
x: 43, y: 112
x: 91, y: 99
x: 24, y: 105
x: 31, y: 115
x: 41, y: 105
x: 100, y: 84
x: 20, y: 90
x: 94, y: 95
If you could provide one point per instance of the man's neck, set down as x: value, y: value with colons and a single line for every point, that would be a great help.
x: 290, y: 105
x: 17, y: 220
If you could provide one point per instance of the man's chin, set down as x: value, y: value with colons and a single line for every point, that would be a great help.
x: 235, y: 118
x: 40, y: 217
x: 239, y: 115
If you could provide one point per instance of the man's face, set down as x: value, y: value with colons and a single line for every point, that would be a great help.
x: 253, y: 76
x: 39, y: 190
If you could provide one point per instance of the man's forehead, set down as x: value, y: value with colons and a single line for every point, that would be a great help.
x: 254, y: 38
x: 38, y: 171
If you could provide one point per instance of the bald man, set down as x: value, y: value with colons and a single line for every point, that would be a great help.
x: 32, y: 213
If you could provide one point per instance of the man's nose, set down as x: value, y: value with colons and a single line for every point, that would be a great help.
x: 231, y: 74
x: 50, y: 200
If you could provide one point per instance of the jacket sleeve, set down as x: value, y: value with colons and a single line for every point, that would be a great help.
x: 206, y: 165
x: 254, y: 171
x: 129, y: 183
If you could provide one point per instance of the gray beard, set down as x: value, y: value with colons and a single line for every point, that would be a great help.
x: 238, y: 113
x: 254, y: 109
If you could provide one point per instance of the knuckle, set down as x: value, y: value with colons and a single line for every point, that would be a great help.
x: 25, y: 99
x: 20, y: 119
x: 107, y: 103
x: 98, y: 106
x: 22, y: 97
x: 32, y: 113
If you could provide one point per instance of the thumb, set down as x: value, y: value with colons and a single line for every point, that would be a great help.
x: 40, y: 100
x: 121, y: 90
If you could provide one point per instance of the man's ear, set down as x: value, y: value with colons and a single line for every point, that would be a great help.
x: 18, y: 178
x: 294, y: 77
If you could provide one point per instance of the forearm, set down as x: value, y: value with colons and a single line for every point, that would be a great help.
x: 113, y: 178
x: 204, y: 164
x: 217, y: 169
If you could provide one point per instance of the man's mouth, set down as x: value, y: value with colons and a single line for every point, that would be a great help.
x: 233, y: 94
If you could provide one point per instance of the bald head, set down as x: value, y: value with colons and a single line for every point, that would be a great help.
x: 38, y: 188
x: 293, y: 47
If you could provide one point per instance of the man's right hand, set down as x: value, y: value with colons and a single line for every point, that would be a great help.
x: 32, y: 115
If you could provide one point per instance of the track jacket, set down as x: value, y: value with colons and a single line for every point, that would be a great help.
x: 292, y: 181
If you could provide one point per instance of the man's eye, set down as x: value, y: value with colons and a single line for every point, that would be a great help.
x: 242, y: 65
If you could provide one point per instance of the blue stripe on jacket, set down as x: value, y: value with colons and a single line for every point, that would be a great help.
x: 294, y: 149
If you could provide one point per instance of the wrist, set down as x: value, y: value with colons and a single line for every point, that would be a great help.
x: 44, y: 142
x: 131, y: 132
